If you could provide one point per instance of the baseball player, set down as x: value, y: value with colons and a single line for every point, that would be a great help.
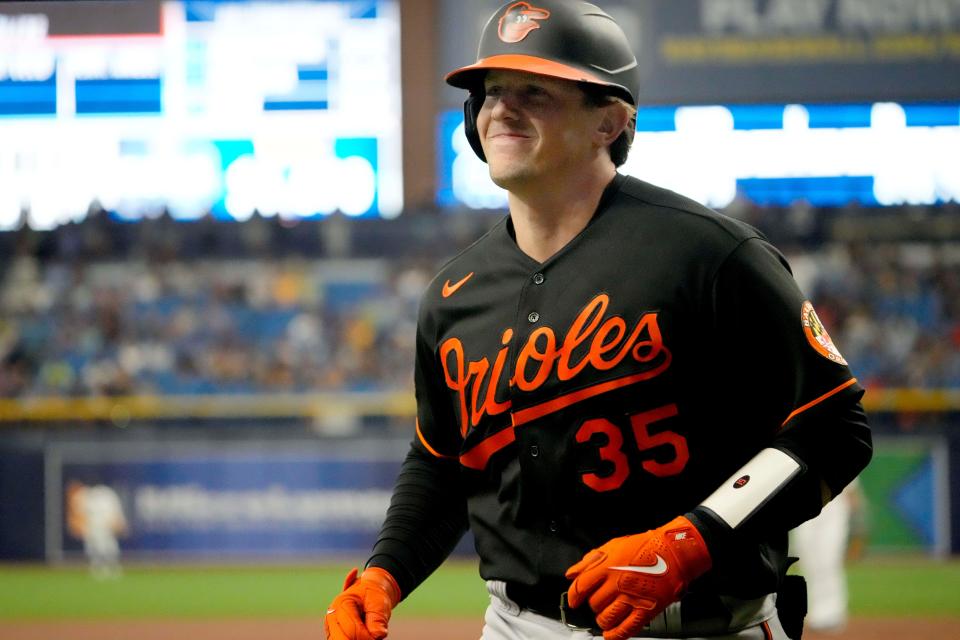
x: 95, y: 515
x: 623, y: 394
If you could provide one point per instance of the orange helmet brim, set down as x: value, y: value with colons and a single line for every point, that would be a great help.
x: 467, y: 77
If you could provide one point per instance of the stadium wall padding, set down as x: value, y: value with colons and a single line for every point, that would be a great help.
x: 259, y: 498
x: 21, y: 504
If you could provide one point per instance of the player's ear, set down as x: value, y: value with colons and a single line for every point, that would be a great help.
x: 614, y: 119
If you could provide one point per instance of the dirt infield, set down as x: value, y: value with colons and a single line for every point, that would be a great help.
x: 401, y: 629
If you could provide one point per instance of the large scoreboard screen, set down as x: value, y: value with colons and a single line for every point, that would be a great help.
x: 231, y: 107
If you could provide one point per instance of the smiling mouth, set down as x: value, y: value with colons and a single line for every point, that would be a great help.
x: 508, y: 136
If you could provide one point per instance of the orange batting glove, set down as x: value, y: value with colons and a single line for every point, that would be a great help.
x: 629, y: 580
x: 362, y: 609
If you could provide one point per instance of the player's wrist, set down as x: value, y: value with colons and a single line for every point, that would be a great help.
x: 716, y: 535
x: 750, y: 503
x: 690, y: 546
x: 382, y: 579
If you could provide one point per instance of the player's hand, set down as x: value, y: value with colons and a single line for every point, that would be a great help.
x: 629, y: 580
x: 362, y: 609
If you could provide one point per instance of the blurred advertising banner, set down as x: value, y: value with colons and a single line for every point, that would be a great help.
x: 709, y: 51
x: 908, y: 495
x: 227, y: 504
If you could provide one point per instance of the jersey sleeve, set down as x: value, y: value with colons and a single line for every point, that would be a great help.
x: 437, y: 430
x: 783, y: 385
x: 784, y: 362
x: 786, y: 382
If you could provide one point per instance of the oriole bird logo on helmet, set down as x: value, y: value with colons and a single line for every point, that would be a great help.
x: 519, y: 19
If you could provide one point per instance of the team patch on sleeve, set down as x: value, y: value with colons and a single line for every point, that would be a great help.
x: 817, y: 334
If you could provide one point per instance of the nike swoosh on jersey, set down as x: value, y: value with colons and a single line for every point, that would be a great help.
x: 450, y: 289
x: 657, y: 569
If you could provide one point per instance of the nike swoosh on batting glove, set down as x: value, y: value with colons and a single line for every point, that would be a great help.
x: 629, y: 580
x: 362, y: 610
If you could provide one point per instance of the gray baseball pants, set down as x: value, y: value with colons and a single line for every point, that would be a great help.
x: 504, y: 620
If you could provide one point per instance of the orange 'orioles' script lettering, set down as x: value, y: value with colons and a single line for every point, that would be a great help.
x: 607, y: 343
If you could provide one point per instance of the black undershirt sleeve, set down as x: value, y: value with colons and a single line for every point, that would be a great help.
x: 427, y: 516
x: 426, y: 519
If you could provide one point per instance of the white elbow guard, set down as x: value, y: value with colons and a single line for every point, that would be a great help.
x: 753, y: 486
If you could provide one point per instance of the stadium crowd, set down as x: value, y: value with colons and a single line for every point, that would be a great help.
x: 159, y: 307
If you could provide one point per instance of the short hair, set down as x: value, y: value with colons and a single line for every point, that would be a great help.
x: 596, y: 95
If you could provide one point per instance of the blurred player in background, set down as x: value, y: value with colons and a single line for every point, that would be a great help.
x: 95, y: 515
x: 623, y: 393
x: 825, y: 544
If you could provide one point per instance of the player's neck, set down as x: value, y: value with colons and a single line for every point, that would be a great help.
x: 546, y: 219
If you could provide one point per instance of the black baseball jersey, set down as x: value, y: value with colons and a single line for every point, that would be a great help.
x: 607, y: 390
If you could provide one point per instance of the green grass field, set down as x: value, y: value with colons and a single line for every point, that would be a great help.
x: 889, y: 587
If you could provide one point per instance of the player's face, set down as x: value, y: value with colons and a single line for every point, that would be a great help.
x: 534, y: 127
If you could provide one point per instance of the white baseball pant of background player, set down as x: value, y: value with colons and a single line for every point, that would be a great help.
x: 821, y: 544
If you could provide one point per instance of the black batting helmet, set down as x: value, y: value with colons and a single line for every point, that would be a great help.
x: 566, y: 39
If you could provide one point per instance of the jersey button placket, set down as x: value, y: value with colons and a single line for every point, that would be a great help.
x: 538, y: 278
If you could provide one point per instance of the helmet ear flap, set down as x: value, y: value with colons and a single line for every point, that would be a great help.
x: 471, y: 109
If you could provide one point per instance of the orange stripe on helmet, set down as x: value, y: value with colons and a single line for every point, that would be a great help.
x: 463, y: 77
